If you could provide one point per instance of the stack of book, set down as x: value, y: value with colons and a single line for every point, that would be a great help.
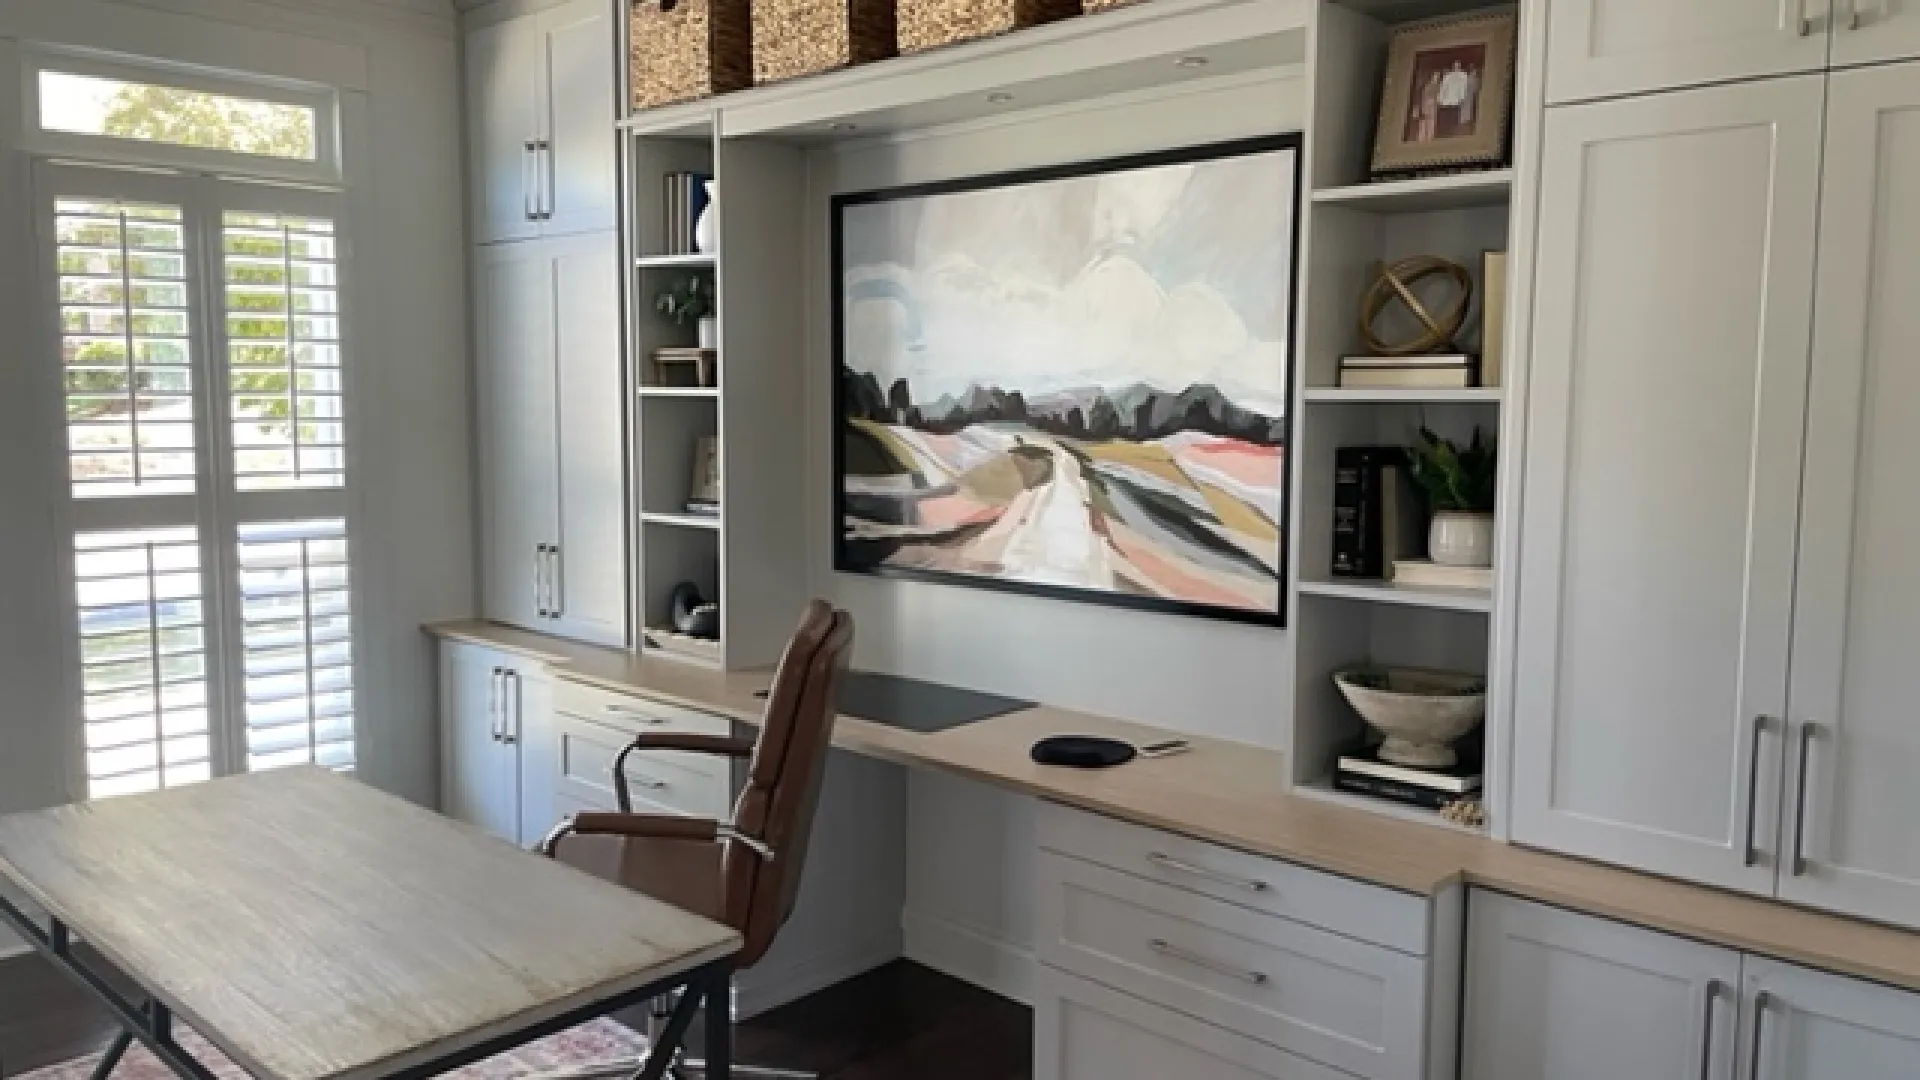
x: 1376, y: 520
x: 1362, y: 772
x: 684, y: 197
x: 1426, y: 574
x: 1441, y: 370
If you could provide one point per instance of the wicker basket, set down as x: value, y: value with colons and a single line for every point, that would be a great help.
x: 685, y: 49
x: 928, y: 24
x: 801, y: 37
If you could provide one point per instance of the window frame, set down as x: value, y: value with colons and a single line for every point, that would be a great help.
x: 326, y: 168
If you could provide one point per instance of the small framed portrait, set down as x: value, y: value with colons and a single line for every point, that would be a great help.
x: 1447, y: 102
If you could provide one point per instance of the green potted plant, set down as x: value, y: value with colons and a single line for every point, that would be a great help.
x: 1460, y: 484
x: 691, y: 300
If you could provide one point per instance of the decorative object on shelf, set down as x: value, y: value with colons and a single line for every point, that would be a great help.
x: 1420, y: 712
x: 1375, y: 517
x: 703, y: 238
x: 686, y: 49
x: 803, y: 37
x: 1466, y: 813
x: 929, y: 24
x: 703, y: 486
x: 1397, y: 281
x: 1443, y: 371
x: 685, y: 197
x: 680, y: 646
x: 1082, y: 752
x: 1447, y: 100
x: 1493, y: 318
x: 1362, y: 770
x: 1427, y: 574
x: 1145, y: 467
x: 693, y: 614
x: 690, y: 300
x: 1461, y: 485
x: 681, y: 366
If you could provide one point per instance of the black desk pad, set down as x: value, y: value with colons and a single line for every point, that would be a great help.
x: 920, y: 706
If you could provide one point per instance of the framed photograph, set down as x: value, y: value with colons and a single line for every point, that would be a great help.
x: 704, y: 485
x: 1447, y: 100
x: 1073, y: 382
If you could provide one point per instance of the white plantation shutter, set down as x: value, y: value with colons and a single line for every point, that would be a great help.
x: 201, y: 340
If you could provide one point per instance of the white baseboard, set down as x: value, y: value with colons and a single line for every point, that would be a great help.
x: 969, y: 955
x: 764, y: 989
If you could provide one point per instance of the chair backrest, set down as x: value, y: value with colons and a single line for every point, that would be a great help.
x: 776, y: 806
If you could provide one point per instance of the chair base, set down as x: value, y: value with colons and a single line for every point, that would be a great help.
x: 689, y: 1069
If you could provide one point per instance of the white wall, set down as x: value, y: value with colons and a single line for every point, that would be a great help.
x: 969, y: 871
x: 413, y: 557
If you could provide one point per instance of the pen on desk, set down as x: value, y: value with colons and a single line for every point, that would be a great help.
x: 1165, y: 749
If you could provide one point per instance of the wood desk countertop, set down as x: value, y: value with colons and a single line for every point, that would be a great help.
x: 1233, y: 795
x: 312, y: 927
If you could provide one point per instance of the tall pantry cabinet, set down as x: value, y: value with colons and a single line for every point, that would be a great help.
x: 1717, y: 589
x: 546, y: 293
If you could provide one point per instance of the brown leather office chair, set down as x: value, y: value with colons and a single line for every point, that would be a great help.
x: 744, y: 873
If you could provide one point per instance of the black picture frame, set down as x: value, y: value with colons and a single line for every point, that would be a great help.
x: 1245, y: 147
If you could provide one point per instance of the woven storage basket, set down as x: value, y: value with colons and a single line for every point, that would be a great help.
x: 800, y: 37
x: 928, y: 24
x: 685, y: 49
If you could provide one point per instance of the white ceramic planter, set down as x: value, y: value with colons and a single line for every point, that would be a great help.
x: 1458, y: 539
x: 709, y: 333
x: 703, y: 237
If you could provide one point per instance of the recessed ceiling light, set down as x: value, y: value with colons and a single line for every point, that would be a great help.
x: 999, y: 97
x: 1191, y: 62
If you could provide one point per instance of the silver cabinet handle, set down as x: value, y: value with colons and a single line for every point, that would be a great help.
x: 1853, y: 14
x: 1807, y: 732
x: 540, y: 580
x: 1187, y: 956
x: 1168, y: 862
x: 529, y: 180
x: 511, y: 735
x: 493, y: 705
x: 648, y: 782
x: 1761, y: 1001
x: 625, y: 713
x: 544, y: 151
x: 556, y: 582
x: 1714, y: 988
x: 1760, y: 724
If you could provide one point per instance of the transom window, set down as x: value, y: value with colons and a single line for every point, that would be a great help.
x: 177, y: 115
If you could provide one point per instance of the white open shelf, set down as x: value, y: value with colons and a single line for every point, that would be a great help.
x: 1404, y: 395
x: 1324, y: 790
x: 691, y: 260
x: 1423, y: 194
x: 1386, y: 592
x: 710, y: 393
x: 681, y: 521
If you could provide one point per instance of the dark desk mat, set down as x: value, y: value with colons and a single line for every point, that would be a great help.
x: 919, y: 706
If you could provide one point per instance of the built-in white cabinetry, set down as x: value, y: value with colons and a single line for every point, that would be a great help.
x: 550, y: 436
x: 540, y: 101
x: 1606, y: 48
x: 494, y: 719
x: 1552, y: 993
x: 1720, y: 514
x: 1875, y: 31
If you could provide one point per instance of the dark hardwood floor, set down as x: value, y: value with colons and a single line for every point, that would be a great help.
x: 898, y: 1022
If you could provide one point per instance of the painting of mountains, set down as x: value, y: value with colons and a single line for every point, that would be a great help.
x: 1075, y: 381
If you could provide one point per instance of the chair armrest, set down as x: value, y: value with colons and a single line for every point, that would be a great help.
x: 651, y: 826
x: 686, y: 741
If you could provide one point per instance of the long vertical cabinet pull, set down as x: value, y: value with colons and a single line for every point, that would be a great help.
x: 510, y: 733
x: 556, y: 582
x: 543, y: 164
x: 540, y: 580
x: 1760, y: 724
x: 1761, y: 1001
x: 1714, y: 989
x: 529, y: 180
x: 493, y: 706
x: 1807, y: 733
x: 1801, y: 24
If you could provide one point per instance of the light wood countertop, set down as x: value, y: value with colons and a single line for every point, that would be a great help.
x: 1232, y: 794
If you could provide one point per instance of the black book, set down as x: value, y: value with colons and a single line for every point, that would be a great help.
x: 1375, y: 519
x: 1393, y: 790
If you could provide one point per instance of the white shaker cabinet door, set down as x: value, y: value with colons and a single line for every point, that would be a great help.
x: 1875, y: 31
x: 1675, y: 262
x: 577, y: 134
x: 1553, y: 995
x: 503, y: 65
x: 1801, y: 1024
x: 589, y: 587
x: 1855, y: 805
x: 518, y: 436
x: 1609, y: 48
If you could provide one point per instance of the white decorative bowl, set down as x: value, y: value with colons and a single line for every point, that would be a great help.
x: 1421, y: 712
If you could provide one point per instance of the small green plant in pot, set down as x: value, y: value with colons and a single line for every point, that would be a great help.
x: 690, y: 300
x: 1460, y: 484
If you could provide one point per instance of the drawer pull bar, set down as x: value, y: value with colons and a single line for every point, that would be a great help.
x: 650, y: 783
x: 1168, y: 862
x: 625, y: 713
x: 1168, y: 949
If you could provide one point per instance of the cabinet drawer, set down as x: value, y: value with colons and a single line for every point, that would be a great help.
x: 631, y: 713
x: 1346, y: 1003
x: 1394, y: 919
x: 1085, y: 1031
x: 661, y: 781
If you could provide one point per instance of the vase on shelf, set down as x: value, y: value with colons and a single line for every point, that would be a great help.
x: 703, y: 226
x: 710, y: 333
x: 1458, y: 538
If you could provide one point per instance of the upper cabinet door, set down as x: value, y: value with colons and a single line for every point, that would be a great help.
x: 1607, y: 48
x: 1675, y: 264
x: 504, y: 66
x: 1875, y: 31
x: 577, y: 115
x: 1857, y: 614
x: 591, y: 590
x: 519, y: 466
x: 1551, y: 995
x: 1815, y: 1026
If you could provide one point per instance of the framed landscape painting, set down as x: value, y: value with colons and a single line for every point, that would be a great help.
x: 1073, y: 381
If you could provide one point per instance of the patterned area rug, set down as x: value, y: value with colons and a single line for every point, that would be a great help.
x: 592, y: 1043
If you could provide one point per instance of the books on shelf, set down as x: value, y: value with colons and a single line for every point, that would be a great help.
x: 1447, y: 370
x: 1427, y: 574
x: 1376, y: 519
x: 1361, y: 771
x: 703, y: 507
x: 684, y: 196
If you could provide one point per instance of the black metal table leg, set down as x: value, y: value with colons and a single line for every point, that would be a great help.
x: 719, y: 995
x: 116, y: 1050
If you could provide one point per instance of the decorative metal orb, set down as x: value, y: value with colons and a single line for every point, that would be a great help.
x: 1395, y: 282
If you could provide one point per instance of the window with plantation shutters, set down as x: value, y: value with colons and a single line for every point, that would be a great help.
x: 203, y: 355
